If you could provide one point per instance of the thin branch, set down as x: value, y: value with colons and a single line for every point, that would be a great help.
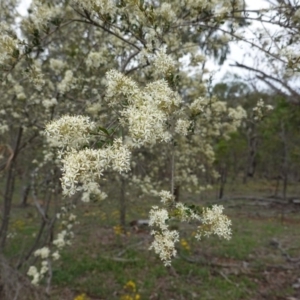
x: 264, y: 75
x: 130, y: 57
x: 88, y: 20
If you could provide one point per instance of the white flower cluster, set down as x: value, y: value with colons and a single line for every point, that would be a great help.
x: 222, y: 119
x: 87, y: 166
x: 119, y: 84
x: 100, y: 6
x: 69, y: 131
x: 45, y: 253
x: 146, y: 123
x: 236, y: 115
x: 64, y: 237
x: 38, y: 275
x: 92, y: 189
x: 163, y: 63
x: 152, y: 40
x: 49, y: 103
x: 36, y: 75
x: 164, y: 244
x: 158, y: 217
x: 182, y: 126
x: 8, y: 45
x: 67, y: 83
x: 57, y: 65
x: 184, y: 213
x: 11, y: 235
x: 83, y: 168
x: 260, y: 109
x: 3, y: 127
x: 214, y: 222
x: 95, y: 59
x: 19, y: 90
x: 166, y: 12
x: 219, y: 7
x: 43, y: 12
x: 164, y: 239
x: 145, y: 184
x: 161, y: 94
x: 166, y: 197
x: 147, y: 111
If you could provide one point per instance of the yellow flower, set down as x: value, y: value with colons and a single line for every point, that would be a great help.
x: 137, y: 297
x: 184, y: 244
x: 130, y: 286
x: 18, y: 224
x: 81, y: 297
x: 118, y: 230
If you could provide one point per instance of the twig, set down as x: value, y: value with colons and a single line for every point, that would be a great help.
x: 276, y: 244
x: 227, y: 279
x: 130, y: 246
x: 119, y: 259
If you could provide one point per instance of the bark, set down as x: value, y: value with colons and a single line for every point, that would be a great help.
x: 123, y: 203
x: 223, y: 180
x: 176, y: 193
x: 25, y: 194
x: 252, y: 152
x: 9, y: 188
x: 285, y: 160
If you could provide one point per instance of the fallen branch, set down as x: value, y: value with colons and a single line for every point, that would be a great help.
x: 120, y: 259
x: 269, y: 200
x: 130, y: 246
x: 276, y: 244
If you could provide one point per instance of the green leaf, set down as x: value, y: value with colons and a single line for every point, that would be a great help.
x: 104, y: 130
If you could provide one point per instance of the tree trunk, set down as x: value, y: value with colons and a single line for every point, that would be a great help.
x: 285, y: 160
x: 176, y: 193
x: 251, y: 159
x: 25, y: 194
x: 123, y: 203
x: 9, y: 189
x: 223, y: 178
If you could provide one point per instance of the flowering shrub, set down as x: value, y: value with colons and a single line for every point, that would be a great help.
x: 104, y: 89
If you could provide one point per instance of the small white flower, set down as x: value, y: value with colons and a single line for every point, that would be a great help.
x: 163, y: 64
x: 32, y: 271
x: 36, y: 279
x: 166, y: 197
x: 158, y: 217
x: 182, y: 126
x: 71, y: 131
x: 164, y: 244
x: 55, y: 255
x: 214, y: 222
x: 43, y: 252
x: 72, y: 217
x: 44, y: 268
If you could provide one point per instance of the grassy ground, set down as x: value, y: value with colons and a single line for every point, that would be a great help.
x: 259, y: 262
